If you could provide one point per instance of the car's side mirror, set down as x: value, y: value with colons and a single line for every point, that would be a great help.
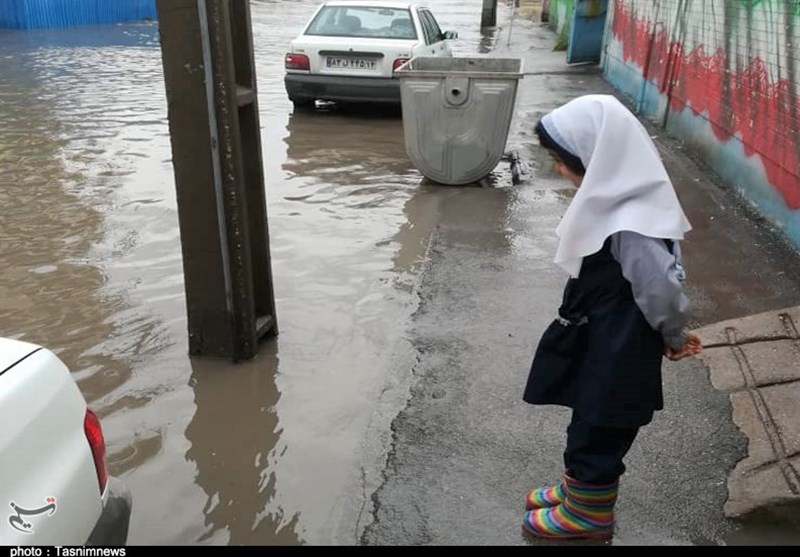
x: 449, y: 35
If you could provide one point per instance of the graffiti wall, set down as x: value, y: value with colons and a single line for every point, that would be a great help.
x: 724, y: 76
x: 560, y: 18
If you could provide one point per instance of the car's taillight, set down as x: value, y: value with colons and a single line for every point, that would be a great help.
x: 297, y: 62
x: 94, y: 434
x: 399, y: 62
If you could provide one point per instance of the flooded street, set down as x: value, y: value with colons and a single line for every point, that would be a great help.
x: 259, y: 453
x: 406, y: 310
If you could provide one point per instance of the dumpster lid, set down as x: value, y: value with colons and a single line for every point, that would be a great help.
x: 463, y: 66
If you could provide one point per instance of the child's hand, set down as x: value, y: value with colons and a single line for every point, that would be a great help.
x: 691, y: 347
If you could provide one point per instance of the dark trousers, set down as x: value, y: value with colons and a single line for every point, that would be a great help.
x: 594, y: 454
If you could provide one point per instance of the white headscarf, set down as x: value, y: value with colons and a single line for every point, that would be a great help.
x: 626, y: 186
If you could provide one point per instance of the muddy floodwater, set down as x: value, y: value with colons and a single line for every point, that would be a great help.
x: 289, y: 448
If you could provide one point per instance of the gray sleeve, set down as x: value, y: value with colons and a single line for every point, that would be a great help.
x: 656, y: 278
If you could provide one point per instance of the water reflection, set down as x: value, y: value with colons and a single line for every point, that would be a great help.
x: 487, y: 40
x: 347, y: 146
x: 131, y: 34
x: 358, y: 157
x: 414, y: 235
x: 233, y: 434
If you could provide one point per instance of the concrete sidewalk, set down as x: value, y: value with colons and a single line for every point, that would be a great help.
x: 756, y: 360
x: 465, y: 448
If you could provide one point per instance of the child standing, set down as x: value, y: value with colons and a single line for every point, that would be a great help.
x: 623, y: 308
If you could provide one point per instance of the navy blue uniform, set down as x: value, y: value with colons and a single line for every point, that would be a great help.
x: 601, y: 358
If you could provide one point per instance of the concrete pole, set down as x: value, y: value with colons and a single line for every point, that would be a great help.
x: 489, y: 13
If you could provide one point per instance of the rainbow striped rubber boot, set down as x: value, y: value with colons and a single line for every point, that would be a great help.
x: 543, y: 497
x: 586, y: 512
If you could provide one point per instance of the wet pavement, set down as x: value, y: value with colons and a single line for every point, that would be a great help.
x: 466, y: 448
x: 397, y: 301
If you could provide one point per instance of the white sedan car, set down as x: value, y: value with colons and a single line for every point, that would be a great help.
x: 350, y: 50
x: 54, y: 486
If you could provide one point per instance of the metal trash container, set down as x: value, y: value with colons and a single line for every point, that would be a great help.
x: 456, y: 114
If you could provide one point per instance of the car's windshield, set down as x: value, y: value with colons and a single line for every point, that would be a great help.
x: 363, y: 21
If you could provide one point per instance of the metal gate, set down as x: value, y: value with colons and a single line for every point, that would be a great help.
x: 586, y: 31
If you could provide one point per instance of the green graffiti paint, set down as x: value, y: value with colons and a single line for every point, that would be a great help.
x: 792, y: 5
x: 561, y: 12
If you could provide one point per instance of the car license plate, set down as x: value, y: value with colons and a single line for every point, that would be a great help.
x: 351, y: 63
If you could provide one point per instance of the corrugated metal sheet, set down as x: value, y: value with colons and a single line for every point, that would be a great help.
x: 36, y: 14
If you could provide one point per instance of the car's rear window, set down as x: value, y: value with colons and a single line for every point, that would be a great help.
x: 363, y: 21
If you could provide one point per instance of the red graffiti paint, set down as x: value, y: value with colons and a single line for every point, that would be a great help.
x: 745, y: 103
